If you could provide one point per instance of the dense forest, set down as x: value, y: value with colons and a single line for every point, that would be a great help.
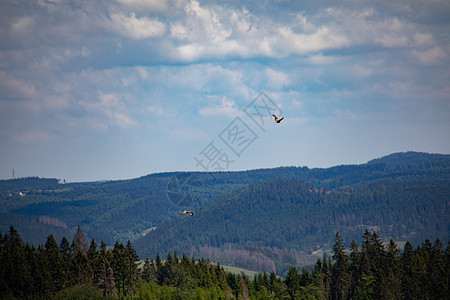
x: 78, y: 271
x: 265, y: 219
x: 127, y: 209
x: 278, y: 220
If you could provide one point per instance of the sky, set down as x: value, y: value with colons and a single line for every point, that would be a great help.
x: 118, y: 89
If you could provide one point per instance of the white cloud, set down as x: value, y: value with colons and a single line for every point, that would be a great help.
x: 206, y: 21
x: 362, y: 70
x: 12, y: 87
x: 137, y: 28
x: 322, y: 39
x: 155, y: 110
x: 22, y: 26
x: 433, y: 56
x: 110, y: 109
x: 320, y: 59
x: 277, y: 79
x: 151, y: 5
x: 227, y: 108
x: 218, y: 32
x: 165, y: 63
x: 368, y: 26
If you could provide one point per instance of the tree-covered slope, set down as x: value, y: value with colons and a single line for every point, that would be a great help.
x: 289, y: 214
x: 127, y: 209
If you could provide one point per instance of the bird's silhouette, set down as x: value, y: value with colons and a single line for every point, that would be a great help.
x: 188, y: 212
x: 277, y: 120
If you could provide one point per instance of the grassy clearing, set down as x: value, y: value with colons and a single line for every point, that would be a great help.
x: 237, y: 270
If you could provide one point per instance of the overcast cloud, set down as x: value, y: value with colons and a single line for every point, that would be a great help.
x: 93, y: 90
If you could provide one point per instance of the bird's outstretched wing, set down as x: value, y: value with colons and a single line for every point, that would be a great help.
x: 277, y: 120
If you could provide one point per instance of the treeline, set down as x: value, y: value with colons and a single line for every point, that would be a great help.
x: 376, y: 271
x: 53, y: 270
x: 291, y: 214
x: 26, y: 183
x: 124, y: 209
x: 79, y: 271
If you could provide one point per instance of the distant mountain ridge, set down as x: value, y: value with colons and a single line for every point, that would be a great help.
x: 126, y: 209
x: 403, y: 159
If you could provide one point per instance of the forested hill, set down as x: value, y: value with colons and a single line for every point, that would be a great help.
x: 290, y: 214
x: 128, y: 209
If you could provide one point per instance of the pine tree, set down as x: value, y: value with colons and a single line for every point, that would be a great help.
x: 339, y: 271
x: 119, y: 265
x: 106, y: 280
x: 66, y: 263
x: 43, y: 279
x: 79, y: 242
x: 160, y: 276
x: 409, y: 280
x: 374, y: 250
x: 149, y: 271
x: 30, y: 254
x: 132, y: 260
x: 94, y: 261
x: 233, y: 282
x: 305, y: 278
x: 447, y: 269
x: 393, y: 276
x: 292, y: 282
x: 16, y: 267
x: 326, y: 271
x: 82, y: 269
x: 55, y: 262
x: 355, y: 268
x: 434, y: 281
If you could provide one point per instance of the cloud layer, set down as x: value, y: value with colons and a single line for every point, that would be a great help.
x: 136, y: 81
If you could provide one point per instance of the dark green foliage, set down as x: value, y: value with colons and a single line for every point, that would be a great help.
x: 122, y: 210
x: 81, y: 292
x: 372, y: 271
x: 340, y: 276
x: 293, y: 282
x: 263, y: 218
x: 290, y: 214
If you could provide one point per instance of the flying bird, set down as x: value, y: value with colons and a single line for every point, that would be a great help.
x: 277, y: 120
x: 188, y: 212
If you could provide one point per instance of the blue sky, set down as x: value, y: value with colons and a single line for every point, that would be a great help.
x: 98, y: 90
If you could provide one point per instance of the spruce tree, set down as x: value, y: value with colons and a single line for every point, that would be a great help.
x: 66, y: 263
x: 339, y: 271
x: 106, y: 279
x: 42, y: 275
x: 409, y: 283
x: 393, y: 272
x: 326, y: 271
x: 79, y: 243
x: 55, y: 262
x: 132, y: 272
x: 94, y: 261
x: 292, y: 282
x: 17, y: 268
x: 119, y: 265
x: 149, y: 271
x: 355, y: 268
